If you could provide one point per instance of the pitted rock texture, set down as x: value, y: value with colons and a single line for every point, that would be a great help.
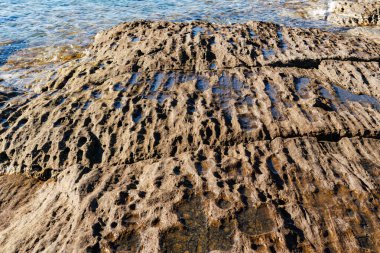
x: 369, y: 32
x: 194, y: 137
x: 354, y: 13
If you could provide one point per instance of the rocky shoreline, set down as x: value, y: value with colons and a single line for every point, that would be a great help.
x: 196, y: 137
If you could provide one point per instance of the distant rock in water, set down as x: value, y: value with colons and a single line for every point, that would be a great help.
x: 354, y: 13
x: 140, y: 146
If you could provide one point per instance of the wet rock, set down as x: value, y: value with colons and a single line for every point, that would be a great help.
x: 142, y: 147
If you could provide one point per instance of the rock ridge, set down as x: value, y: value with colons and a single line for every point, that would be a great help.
x: 197, y: 137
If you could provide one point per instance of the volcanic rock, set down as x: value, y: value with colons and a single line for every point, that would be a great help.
x: 196, y: 137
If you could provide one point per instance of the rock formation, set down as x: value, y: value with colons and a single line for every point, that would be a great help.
x: 354, y: 13
x: 194, y: 137
x: 361, y: 15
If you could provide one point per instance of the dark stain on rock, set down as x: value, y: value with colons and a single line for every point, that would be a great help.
x: 195, y: 233
x: 256, y: 221
x: 127, y: 242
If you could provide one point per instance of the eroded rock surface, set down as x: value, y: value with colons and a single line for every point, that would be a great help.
x: 354, y: 13
x: 193, y: 137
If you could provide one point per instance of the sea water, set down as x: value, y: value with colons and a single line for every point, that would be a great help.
x: 46, y: 28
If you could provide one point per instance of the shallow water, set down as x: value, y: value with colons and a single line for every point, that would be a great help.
x: 31, y: 23
x: 26, y: 24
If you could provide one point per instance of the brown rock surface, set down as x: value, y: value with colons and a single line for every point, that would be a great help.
x: 357, y: 12
x: 369, y: 32
x: 193, y: 137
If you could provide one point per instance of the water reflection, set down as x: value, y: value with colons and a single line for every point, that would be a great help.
x: 50, y: 23
x: 54, y: 31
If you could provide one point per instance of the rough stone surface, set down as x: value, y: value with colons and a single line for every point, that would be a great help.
x: 354, y: 13
x: 193, y: 137
x: 369, y: 32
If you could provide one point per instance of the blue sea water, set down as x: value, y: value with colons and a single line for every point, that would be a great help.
x: 31, y: 24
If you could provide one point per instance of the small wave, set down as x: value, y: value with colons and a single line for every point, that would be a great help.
x: 30, y: 67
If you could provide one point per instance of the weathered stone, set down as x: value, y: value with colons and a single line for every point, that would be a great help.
x: 354, y: 13
x: 175, y: 137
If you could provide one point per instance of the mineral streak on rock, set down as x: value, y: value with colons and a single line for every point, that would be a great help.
x: 141, y: 147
